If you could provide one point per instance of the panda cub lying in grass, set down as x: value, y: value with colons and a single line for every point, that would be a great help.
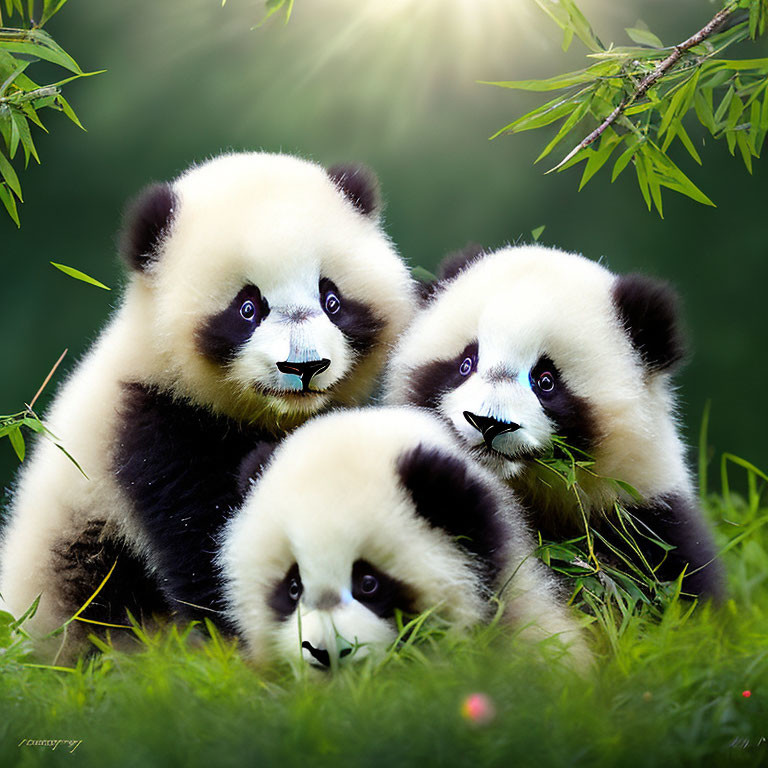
x: 262, y: 289
x: 363, y: 513
x: 519, y: 346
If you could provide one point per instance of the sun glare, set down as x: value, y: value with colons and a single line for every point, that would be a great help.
x: 473, y: 39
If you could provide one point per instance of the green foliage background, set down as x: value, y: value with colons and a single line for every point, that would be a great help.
x: 187, y: 79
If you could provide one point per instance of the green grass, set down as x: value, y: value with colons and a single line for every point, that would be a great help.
x: 667, y: 690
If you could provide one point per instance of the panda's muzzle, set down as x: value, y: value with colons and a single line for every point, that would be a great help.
x: 305, y: 371
x: 489, y: 427
x: 321, y: 656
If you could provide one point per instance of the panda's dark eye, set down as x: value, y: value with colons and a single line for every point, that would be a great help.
x: 369, y: 584
x: 248, y: 310
x: 285, y: 593
x: 379, y: 592
x: 332, y: 303
x: 546, y: 382
x: 466, y: 366
x: 294, y: 589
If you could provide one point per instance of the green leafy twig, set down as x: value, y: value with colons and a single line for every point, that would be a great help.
x: 640, y: 95
x: 651, y: 79
x: 11, y: 425
x: 21, y: 98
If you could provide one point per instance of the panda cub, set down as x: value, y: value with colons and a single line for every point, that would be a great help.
x: 262, y: 289
x: 526, y: 343
x: 362, y: 513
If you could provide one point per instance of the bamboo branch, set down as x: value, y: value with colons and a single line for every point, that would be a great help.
x: 47, y: 379
x: 651, y: 79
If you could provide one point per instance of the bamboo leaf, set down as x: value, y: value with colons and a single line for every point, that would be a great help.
x: 78, y: 275
x: 26, y: 136
x: 15, y: 137
x: 740, y: 65
x: 674, y: 106
x: 7, y: 172
x: 12, y: 76
x: 51, y: 8
x: 548, y: 113
x: 558, y: 82
x: 654, y: 185
x: 72, y: 459
x: 581, y: 26
x: 575, y: 117
x: 754, y: 127
x: 9, y: 201
x: 608, y: 142
x: 686, y: 140
x: 17, y: 441
x: 642, y: 179
x: 724, y: 104
x: 644, y: 37
x: 624, y: 158
x: 68, y: 111
x: 675, y: 179
x: 703, y: 105
x: 37, y: 42
x: 745, y: 149
x: 567, y: 39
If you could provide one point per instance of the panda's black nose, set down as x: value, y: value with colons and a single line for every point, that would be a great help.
x: 305, y: 371
x: 318, y: 654
x: 489, y: 427
x: 322, y: 655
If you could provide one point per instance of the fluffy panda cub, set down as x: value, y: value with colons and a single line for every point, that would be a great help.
x: 526, y: 343
x: 363, y: 512
x: 262, y: 289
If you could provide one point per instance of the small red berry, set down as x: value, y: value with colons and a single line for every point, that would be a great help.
x: 478, y: 709
x: 746, y: 694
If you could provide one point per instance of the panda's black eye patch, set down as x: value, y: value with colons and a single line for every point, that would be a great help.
x: 354, y: 319
x: 432, y: 380
x: 378, y: 592
x: 572, y: 415
x: 222, y: 334
x: 286, y: 593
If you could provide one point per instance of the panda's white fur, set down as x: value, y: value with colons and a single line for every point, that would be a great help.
x: 516, y: 305
x: 275, y: 221
x: 330, y: 496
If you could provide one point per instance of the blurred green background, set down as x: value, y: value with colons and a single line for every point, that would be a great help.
x: 391, y: 83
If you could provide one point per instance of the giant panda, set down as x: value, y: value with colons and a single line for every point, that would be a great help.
x: 262, y: 290
x: 516, y: 346
x: 361, y: 513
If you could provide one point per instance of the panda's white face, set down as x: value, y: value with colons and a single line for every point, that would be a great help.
x: 344, y: 529
x: 523, y: 345
x: 506, y: 407
x: 290, y: 342
x: 272, y: 288
x: 329, y: 618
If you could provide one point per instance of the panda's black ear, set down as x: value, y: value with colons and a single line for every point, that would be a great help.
x: 253, y: 466
x: 359, y: 185
x: 648, y: 310
x: 458, y: 261
x: 146, y: 220
x: 449, y: 493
